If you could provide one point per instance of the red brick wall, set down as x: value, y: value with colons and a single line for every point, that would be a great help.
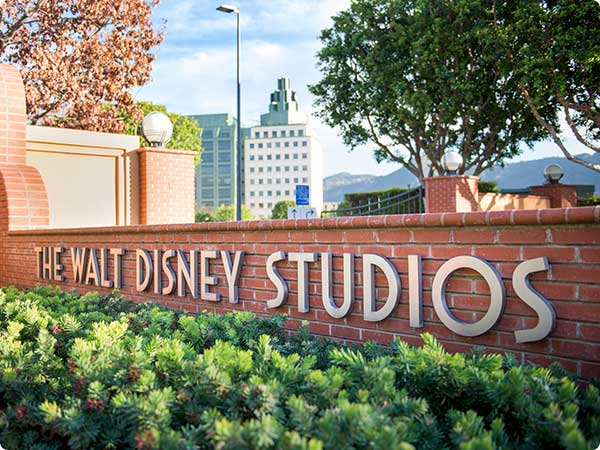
x: 456, y: 193
x: 560, y: 195
x: 569, y: 238
x: 23, y: 199
x: 166, y: 186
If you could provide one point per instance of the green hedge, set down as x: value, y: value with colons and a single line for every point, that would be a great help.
x: 92, y: 372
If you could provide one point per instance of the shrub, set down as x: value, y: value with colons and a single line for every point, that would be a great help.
x: 204, y: 217
x: 280, y: 210
x: 488, y: 186
x: 100, y: 372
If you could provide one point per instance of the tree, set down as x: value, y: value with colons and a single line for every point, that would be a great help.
x: 227, y: 213
x: 280, y: 210
x: 555, y: 53
x: 420, y: 77
x: 186, y: 131
x: 204, y: 217
x: 78, y: 56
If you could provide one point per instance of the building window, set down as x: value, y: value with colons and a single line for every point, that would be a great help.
x: 260, y: 205
x: 265, y: 134
x: 304, y: 167
x: 260, y: 157
x: 304, y: 143
x: 206, y: 193
x: 224, y: 157
x: 251, y: 169
x: 224, y: 145
x: 260, y: 193
x: 260, y: 146
x: 287, y: 192
x: 224, y: 168
x: 260, y: 169
x: 278, y: 181
x: 274, y: 134
x: 295, y: 168
x: 282, y: 133
x: 287, y: 181
x: 286, y: 156
x: 287, y: 144
x: 207, y: 134
x: 224, y: 181
x: 295, y: 180
x: 292, y: 134
x: 252, y: 205
x: 257, y: 135
x: 251, y: 145
x: 277, y: 144
x: 208, y: 181
x: 260, y: 181
x: 270, y: 205
x: 269, y: 145
x: 295, y: 155
x: 252, y: 181
x: 208, y: 157
x: 269, y: 157
x: 278, y: 169
x: 251, y: 193
x: 295, y: 143
x: 269, y: 193
x: 269, y: 168
x: 300, y: 133
x: 277, y: 193
x: 304, y: 155
x: 269, y: 181
x: 278, y: 156
x: 304, y: 180
x: 251, y: 157
x: 287, y: 168
x: 225, y: 133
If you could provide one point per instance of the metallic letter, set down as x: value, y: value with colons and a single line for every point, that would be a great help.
x: 93, y: 269
x: 187, y: 273
x: 117, y: 253
x: 533, y: 299
x: 157, y: 273
x: 168, y: 271
x: 38, y: 255
x: 327, y: 285
x: 58, y: 267
x: 205, y: 279
x: 490, y: 275
x: 143, y: 270
x: 47, y: 263
x: 302, y: 259
x: 415, y: 301
x: 78, y: 258
x: 369, y: 262
x: 232, y: 274
x: 104, y: 282
x: 277, y: 280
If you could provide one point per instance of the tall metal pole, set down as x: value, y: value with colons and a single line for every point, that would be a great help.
x: 238, y: 184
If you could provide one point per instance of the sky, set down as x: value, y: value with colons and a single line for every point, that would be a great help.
x: 195, y: 67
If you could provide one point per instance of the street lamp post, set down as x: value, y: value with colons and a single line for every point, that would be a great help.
x: 238, y: 178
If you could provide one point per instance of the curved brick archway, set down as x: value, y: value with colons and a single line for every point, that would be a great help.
x: 23, y: 198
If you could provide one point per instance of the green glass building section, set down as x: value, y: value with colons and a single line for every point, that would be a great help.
x: 215, y: 174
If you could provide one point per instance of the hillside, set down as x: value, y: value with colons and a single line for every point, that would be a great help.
x: 513, y: 175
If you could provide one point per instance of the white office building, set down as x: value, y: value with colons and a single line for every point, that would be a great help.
x: 281, y: 153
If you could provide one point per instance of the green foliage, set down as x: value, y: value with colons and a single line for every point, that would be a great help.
x: 488, y: 186
x: 416, y: 78
x: 203, y: 216
x: 280, y: 210
x: 592, y: 200
x: 89, y: 371
x: 186, y: 132
x: 227, y: 213
x: 379, y: 203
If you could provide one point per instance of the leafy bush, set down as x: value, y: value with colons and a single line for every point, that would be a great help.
x: 487, y: 186
x: 592, y: 200
x: 203, y: 216
x: 280, y: 210
x: 100, y: 372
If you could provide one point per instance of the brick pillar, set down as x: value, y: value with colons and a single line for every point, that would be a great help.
x: 560, y: 195
x: 166, y: 186
x: 23, y: 198
x: 455, y: 193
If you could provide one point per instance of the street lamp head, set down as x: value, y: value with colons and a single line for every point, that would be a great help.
x: 228, y: 9
x: 157, y: 129
x: 452, y: 162
x: 553, y: 173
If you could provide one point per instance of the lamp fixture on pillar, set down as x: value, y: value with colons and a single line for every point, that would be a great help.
x: 553, y: 173
x: 452, y: 162
x: 157, y: 129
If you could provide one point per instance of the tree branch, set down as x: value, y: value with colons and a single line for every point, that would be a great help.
x: 555, y: 137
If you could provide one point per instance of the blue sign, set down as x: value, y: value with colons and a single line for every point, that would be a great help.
x: 302, y: 197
